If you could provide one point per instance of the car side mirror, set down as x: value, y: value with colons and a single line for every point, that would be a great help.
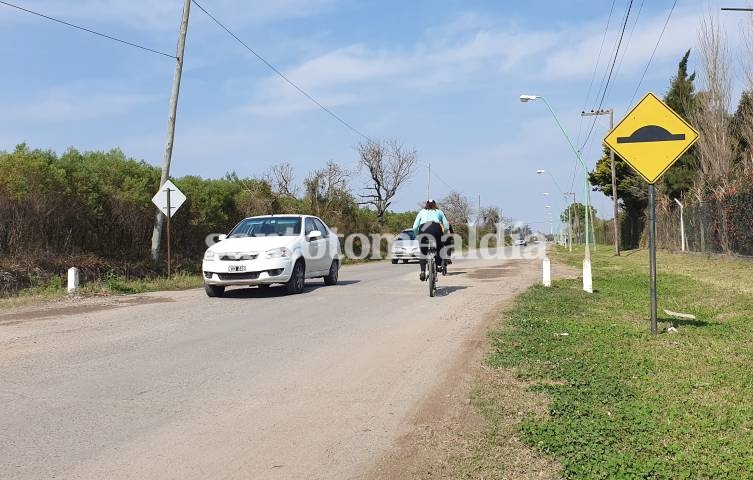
x: 221, y: 237
x: 314, y: 235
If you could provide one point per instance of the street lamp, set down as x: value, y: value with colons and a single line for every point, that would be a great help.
x: 566, y: 195
x: 587, y: 279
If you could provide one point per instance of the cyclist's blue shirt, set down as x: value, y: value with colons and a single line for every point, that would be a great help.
x: 425, y: 216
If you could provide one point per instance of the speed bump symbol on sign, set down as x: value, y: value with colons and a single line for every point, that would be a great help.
x: 651, y: 138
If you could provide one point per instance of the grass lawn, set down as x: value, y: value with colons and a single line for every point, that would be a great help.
x: 621, y: 403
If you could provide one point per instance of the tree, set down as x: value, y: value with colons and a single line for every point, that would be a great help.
x: 457, y: 208
x: 631, y: 193
x: 742, y: 129
x: 577, y: 212
x: 681, y: 98
x: 389, y: 165
x: 489, y: 215
x: 282, y: 180
x: 716, y: 146
x: 327, y: 191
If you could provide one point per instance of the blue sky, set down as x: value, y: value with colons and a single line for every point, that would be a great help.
x: 442, y: 76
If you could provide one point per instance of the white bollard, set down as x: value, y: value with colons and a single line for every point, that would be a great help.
x: 587, y: 279
x: 72, y: 279
x: 547, y: 272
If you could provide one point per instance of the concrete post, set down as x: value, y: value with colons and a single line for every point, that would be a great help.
x: 547, y: 272
x: 72, y: 279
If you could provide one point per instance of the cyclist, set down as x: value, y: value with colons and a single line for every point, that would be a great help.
x: 431, y: 223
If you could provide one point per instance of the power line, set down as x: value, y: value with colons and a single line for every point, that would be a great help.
x: 658, y: 41
x: 629, y: 39
x: 283, y: 76
x: 611, y: 70
x: 109, y: 37
x: 596, y: 66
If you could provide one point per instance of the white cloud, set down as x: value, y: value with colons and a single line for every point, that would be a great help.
x: 428, y: 66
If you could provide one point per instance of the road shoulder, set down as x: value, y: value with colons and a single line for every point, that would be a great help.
x: 442, y: 436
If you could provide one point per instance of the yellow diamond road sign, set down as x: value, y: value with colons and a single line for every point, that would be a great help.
x: 651, y: 138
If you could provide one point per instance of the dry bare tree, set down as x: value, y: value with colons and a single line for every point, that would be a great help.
x: 282, y: 180
x: 716, y: 146
x: 489, y: 215
x: 389, y: 165
x: 457, y: 208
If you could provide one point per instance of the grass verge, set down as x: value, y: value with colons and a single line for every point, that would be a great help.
x: 110, y: 285
x: 624, y: 404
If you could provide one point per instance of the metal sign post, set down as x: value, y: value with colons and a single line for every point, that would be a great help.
x: 652, y: 254
x: 168, y: 199
x: 167, y: 190
x: 650, y: 139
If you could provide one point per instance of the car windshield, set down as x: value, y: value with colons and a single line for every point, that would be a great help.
x: 405, y: 235
x: 266, y: 226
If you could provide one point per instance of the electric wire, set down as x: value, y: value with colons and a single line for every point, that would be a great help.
x: 651, y: 58
x: 609, y: 78
x: 596, y: 67
x: 283, y: 76
x: 93, y: 32
x: 629, y: 39
x: 299, y: 89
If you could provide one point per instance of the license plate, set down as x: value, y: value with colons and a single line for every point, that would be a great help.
x: 236, y: 268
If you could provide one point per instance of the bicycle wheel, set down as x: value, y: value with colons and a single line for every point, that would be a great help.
x: 432, y: 277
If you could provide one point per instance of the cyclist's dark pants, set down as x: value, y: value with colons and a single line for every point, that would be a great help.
x: 425, y: 232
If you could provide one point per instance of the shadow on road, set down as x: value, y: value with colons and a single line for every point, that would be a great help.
x: 279, y: 290
x: 444, y: 291
x: 451, y: 273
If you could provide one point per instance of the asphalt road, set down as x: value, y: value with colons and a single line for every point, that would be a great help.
x: 255, y: 385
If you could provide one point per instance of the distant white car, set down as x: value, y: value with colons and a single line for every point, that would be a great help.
x: 271, y: 249
x: 405, y: 247
x: 520, y: 242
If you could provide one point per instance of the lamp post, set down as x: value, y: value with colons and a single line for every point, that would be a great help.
x: 541, y: 171
x: 587, y: 278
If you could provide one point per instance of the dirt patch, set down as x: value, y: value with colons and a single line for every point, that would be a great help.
x: 490, y: 273
x: 76, y: 306
x: 449, y: 437
x: 443, y: 434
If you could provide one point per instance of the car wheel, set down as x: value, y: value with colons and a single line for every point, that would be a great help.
x: 297, y: 278
x: 394, y: 262
x: 214, y: 290
x: 331, y: 278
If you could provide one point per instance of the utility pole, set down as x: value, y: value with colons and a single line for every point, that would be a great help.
x: 616, y: 222
x: 159, y: 219
x: 478, y: 213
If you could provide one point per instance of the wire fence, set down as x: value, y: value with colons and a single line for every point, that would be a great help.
x: 716, y: 224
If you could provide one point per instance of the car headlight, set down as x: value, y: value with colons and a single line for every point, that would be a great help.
x: 281, y: 252
x: 415, y: 250
x: 209, y: 256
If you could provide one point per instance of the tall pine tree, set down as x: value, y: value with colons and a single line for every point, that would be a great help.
x: 681, y: 98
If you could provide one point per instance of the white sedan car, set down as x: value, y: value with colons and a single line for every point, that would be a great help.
x: 405, y: 247
x: 265, y: 250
